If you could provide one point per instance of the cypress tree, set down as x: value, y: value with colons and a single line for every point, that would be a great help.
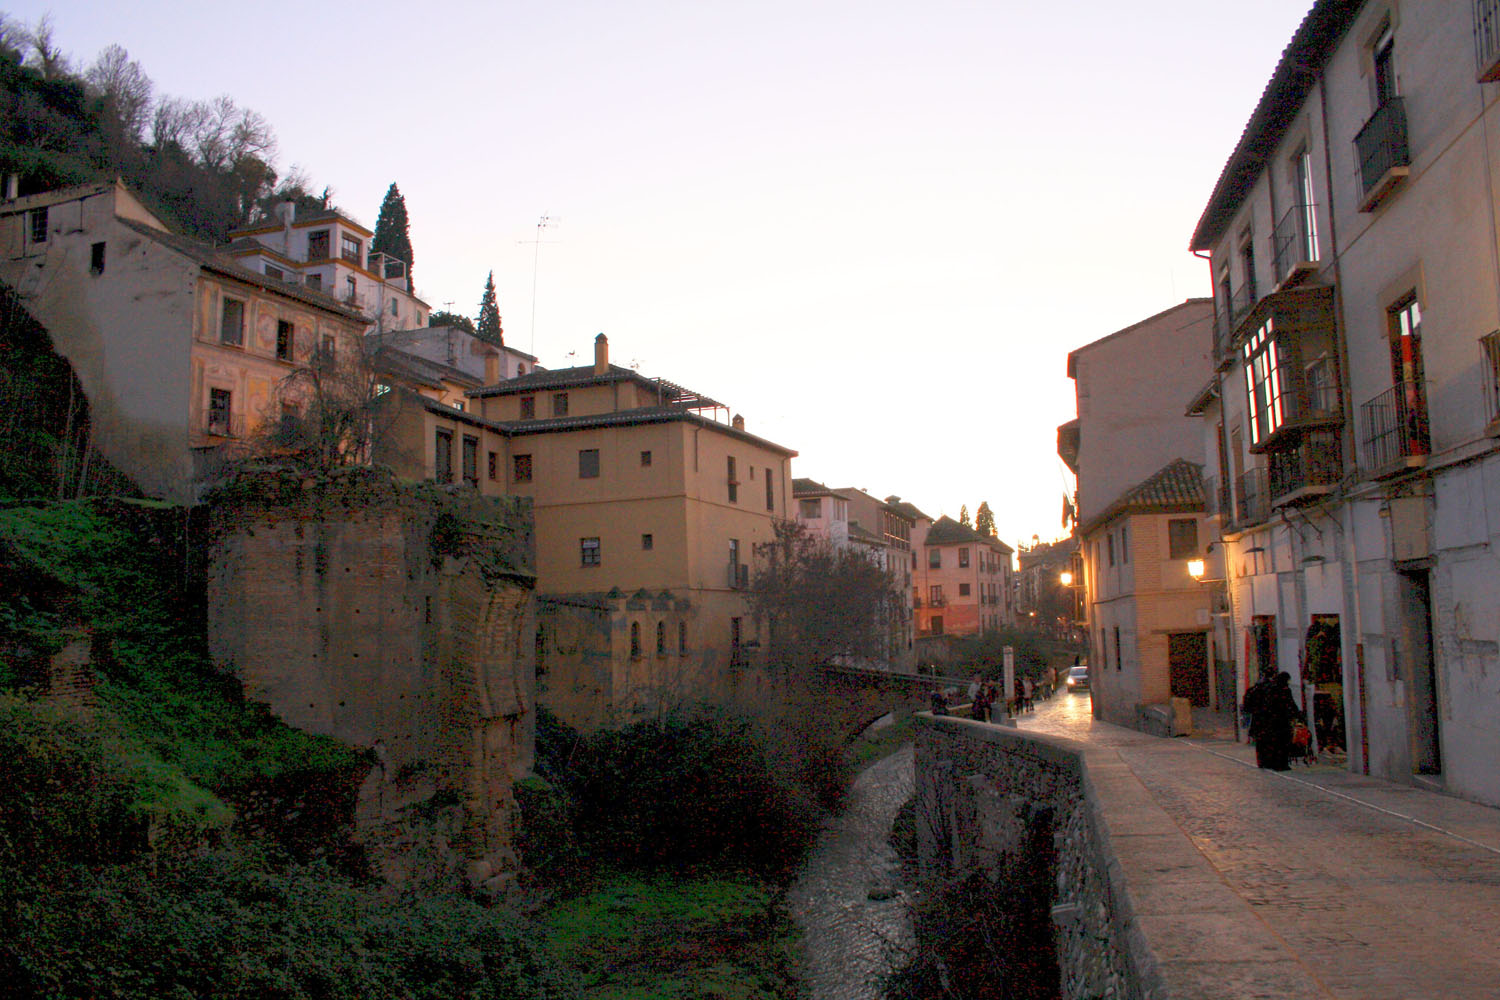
x: 984, y: 520
x: 392, y: 232
x: 489, y: 315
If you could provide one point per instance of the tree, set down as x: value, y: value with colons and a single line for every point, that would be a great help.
x: 445, y: 318
x: 123, y: 86
x: 963, y: 516
x: 489, y: 315
x: 392, y: 232
x: 331, y: 410
x: 821, y: 603
x: 984, y: 519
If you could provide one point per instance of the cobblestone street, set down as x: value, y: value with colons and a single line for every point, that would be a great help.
x: 1380, y: 891
x: 848, y: 899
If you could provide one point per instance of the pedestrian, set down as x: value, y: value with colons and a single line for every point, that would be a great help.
x: 1028, y: 691
x: 1272, y: 709
x: 991, y: 698
x: 981, y: 707
x: 939, y: 702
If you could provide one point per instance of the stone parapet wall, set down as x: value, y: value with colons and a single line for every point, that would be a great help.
x: 398, y: 618
x: 981, y: 789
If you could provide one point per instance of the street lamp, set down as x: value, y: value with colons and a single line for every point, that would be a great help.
x: 1195, y: 569
x: 1065, y: 578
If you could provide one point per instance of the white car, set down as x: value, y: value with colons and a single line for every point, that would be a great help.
x: 1078, y: 678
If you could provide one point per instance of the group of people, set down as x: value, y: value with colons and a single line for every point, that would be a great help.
x: 985, y: 695
x: 1273, y: 714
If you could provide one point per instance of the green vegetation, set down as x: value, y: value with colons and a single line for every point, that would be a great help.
x: 489, y: 315
x: 1034, y: 652
x: 666, y: 935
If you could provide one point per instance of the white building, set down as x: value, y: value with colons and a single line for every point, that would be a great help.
x: 1354, y: 413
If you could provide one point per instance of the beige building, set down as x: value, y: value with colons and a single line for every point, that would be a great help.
x: 1139, y: 497
x: 647, y: 517
x: 963, y: 581
x: 1354, y: 420
x: 183, y: 351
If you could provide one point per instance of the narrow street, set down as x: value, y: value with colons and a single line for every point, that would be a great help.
x: 1381, y: 891
x: 849, y: 899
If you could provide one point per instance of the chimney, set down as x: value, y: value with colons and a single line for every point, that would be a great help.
x: 738, y: 423
x: 12, y: 186
x: 491, y: 367
x: 601, y: 354
x: 288, y: 212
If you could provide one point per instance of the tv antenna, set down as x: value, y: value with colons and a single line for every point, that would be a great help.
x: 545, y: 222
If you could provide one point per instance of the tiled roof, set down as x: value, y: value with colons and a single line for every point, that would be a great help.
x: 581, y: 375
x: 629, y: 418
x: 1175, y: 487
x: 411, y: 366
x: 901, y: 508
x: 1293, y: 79
x: 809, y: 488
x: 947, y: 531
x: 206, y: 256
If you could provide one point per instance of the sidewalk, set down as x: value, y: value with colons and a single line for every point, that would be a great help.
x: 1318, y: 882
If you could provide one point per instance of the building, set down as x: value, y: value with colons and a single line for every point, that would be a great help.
x: 1353, y: 417
x: 878, y: 529
x: 647, y: 517
x: 1138, y: 499
x: 183, y: 350
x: 1148, y: 615
x: 328, y: 251
x: 964, y: 583
x: 1045, y: 597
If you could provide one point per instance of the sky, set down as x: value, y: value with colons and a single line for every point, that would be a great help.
x: 873, y: 229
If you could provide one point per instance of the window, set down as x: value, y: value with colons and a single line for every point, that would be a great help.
x: 96, y: 258
x: 326, y: 352
x: 934, y: 558
x: 936, y: 624
x: 471, y: 460
x: 351, y: 291
x: 1247, y: 264
x: 232, y: 323
x: 39, y: 225
x: 1410, y: 409
x: 734, y: 483
x: 458, y: 405
x: 1264, y: 365
x: 520, y: 468
x: 588, y: 551
x: 736, y: 631
x: 317, y: 245
x: 963, y: 558
x: 635, y: 640
x: 661, y: 638
x: 1182, y: 539
x: 682, y: 638
x: 647, y: 542
x: 1124, y: 544
x: 963, y: 590
x: 283, y: 340
x: 1309, y: 216
x: 493, y: 465
x: 219, y: 404
x: 442, y: 456
x: 734, y: 559
x: 272, y: 271
x: 588, y: 463
x: 1384, y: 57
x: 528, y: 407
x: 1109, y: 544
x: 1489, y: 346
x: 812, y: 508
x: 395, y: 310
x: 315, y: 281
x: 645, y: 459
x: 1119, y: 659
x: 349, y: 249
x: 935, y: 595
x: 770, y: 490
x: 559, y: 404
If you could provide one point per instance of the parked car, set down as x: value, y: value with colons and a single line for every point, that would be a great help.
x: 1078, y: 677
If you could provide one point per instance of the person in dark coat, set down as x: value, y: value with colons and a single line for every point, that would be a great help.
x: 1271, y: 722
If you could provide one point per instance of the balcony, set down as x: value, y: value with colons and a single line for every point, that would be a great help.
x: 1254, y: 505
x: 1307, y: 471
x: 1384, y: 158
x: 1487, y: 40
x: 1393, y: 432
x: 1295, y: 244
x: 1227, y: 317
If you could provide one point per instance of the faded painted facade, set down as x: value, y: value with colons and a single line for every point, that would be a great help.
x: 1131, y: 448
x: 1353, y: 421
x: 963, y: 582
x: 182, y: 352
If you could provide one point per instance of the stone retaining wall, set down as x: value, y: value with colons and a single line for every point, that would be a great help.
x: 980, y: 790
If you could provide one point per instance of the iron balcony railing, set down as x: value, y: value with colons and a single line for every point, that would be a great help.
x: 1315, y: 402
x: 1217, y: 497
x: 1253, y: 505
x: 1487, y: 39
x: 1315, y: 461
x: 1393, y: 427
x: 1294, y: 239
x: 1382, y: 143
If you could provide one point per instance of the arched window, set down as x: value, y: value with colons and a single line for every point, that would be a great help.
x: 635, y: 640
x: 661, y: 638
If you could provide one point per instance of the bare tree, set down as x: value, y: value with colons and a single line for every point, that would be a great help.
x: 124, y: 87
x: 331, y: 412
x: 42, y: 53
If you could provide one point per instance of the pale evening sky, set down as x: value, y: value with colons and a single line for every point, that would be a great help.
x: 875, y: 229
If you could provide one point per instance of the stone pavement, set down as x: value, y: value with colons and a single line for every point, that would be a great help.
x: 1309, y: 883
x: 848, y: 899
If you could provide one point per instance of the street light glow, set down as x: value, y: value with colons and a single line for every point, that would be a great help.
x: 1195, y: 568
x: 1066, y: 578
